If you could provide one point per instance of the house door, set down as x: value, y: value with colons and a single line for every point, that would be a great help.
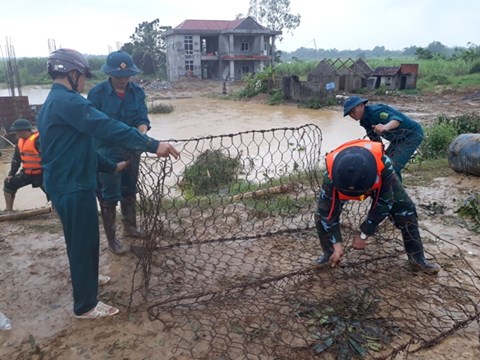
x: 341, y: 83
x: 403, y: 82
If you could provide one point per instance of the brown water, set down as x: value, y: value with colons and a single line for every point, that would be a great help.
x: 203, y: 116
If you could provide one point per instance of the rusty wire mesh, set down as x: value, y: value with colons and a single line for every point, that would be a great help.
x: 229, y: 271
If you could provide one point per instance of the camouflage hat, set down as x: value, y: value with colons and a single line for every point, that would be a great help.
x: 21, y: 124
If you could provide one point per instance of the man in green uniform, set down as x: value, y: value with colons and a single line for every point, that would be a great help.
x: 124, y: 101
x: 356, y: 170
x: 68, y: 123
x: 382, y: 121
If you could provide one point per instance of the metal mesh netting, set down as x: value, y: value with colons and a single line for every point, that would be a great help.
x: 226, y: 265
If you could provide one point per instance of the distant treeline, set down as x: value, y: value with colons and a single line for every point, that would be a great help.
x: 433, y: 50
x: 33, y: 71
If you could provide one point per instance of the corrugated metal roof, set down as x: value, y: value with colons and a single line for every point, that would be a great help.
x: 216, y: 25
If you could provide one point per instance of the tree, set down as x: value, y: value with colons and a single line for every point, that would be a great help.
x: 471, y: 53
x: 148, y: 48
x: 423, y: 54
x: 274, y: 14
x: 437, y: 47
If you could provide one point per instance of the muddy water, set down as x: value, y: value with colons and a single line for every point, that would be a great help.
x: 202, y: 116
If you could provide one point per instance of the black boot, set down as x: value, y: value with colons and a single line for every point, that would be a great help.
x: 326, y: 245
x: 129, y: 217
x: 109, y: 211
x: 414, y: 248
x: 324, y: 260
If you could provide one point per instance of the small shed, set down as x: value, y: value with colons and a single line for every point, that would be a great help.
x: 385, y: 76
x: 409, y: 75
x: 394, y: 77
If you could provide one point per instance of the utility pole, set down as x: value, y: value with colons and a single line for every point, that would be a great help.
x: 51, y: 45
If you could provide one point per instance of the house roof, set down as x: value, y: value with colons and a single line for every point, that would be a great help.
x: 209, y: 24
x: 243, y: 25
x: 386, y: 71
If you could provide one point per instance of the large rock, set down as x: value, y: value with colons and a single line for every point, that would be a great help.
x: 464, y: 154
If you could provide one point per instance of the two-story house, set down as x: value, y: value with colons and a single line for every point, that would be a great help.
x: 218, y: 49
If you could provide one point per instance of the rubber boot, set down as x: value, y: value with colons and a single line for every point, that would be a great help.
x: 129, y: 217
x: 414, y: 248
x: 326, y: 245
x: 109, y: 211
x: 9, y: 198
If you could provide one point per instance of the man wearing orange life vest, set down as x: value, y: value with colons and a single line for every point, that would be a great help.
x: 27, y: 157
x: 356, y: 170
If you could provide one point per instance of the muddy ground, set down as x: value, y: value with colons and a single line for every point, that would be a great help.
x: 35, y: 286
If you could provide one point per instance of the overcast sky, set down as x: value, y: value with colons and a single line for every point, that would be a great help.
x: 97, y: 26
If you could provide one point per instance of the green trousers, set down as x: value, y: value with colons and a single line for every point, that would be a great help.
x: 79, y: 215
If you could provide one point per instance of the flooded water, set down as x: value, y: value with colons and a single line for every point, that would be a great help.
x: 36, y: 94
x: 198, y: 117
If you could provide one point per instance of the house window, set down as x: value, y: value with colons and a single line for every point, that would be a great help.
x: 188, y: 41
x: 188, y: 67
x: 245, y: 46
x: 245, y: 69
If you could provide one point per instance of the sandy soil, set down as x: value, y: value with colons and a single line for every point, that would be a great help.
x: 35, y: 286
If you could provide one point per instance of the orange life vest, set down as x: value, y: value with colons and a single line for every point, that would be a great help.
x: 31, y: 160
x: 376, y: 148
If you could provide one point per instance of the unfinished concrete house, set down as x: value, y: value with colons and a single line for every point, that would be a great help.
x: 324, y: 74
x: 394, y: 77
x: 218, y: 49
x: 348, y: 80
x: 361, y: 68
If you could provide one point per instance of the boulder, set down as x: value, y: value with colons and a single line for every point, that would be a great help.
x: 464, y: 154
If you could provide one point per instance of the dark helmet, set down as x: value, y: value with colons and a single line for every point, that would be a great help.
x: 66, y: 60
x: 351, y: 103
x: 21, y: 124
x: 354, y: 171
x: 120, y: 64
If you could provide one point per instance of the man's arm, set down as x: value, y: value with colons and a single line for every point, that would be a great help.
x: 381, y: 208
x: 381, y: 128
x: 16, y: 163
x: 327, y: 218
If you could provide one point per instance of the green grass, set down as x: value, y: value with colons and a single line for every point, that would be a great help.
x: 422, y: 173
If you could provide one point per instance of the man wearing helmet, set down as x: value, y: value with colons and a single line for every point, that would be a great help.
x: 356, y: 170
x: 125, y: 101
x: 26, y: 156
x: 68, y: 124
x: 404, y: 134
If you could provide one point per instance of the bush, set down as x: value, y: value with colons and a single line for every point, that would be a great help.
x: 211, y: 172
x: 444, y: 130
x: 160, y: 108
x: 275, y: 97
x: 471, y: 209
x: 475, y: 68
x: 465, y: 124
x: 438, y: 80
x: 438, y: 137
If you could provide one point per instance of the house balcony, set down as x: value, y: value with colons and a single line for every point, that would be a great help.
x: 210, y: 56
x: 254, y: 57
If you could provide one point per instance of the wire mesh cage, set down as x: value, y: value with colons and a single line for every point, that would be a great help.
x: 227, y: 261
